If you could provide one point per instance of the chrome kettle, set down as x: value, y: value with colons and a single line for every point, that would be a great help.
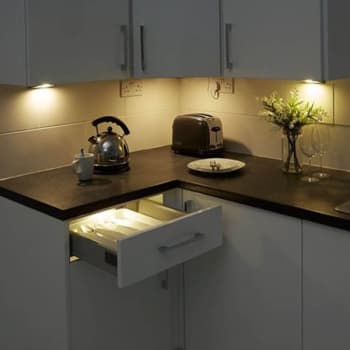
x: 110, y: 149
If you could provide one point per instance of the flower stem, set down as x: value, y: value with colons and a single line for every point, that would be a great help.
x: 292, y: 151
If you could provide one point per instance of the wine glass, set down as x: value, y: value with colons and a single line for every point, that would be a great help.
x: 307, y: 147
x: 321, y: 144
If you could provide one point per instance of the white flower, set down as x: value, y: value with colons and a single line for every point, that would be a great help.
x: 292, y: 113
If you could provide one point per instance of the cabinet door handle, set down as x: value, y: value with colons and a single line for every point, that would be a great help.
x: 124, y: 31
x: 171, y: 246
x: 228, y: 31
x: 142, y: 47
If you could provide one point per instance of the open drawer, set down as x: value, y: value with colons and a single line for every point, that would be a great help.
x: 144, y: 237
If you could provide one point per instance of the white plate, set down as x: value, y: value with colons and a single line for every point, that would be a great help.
x: 225, y: 165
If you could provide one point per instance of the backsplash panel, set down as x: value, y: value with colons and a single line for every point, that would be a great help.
x: 41, y: 129
x: 195, y: 95
x: 29, y: 151
x: 247, y: 132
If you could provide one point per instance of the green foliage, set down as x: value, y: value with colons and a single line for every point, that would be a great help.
x: 291, y: 113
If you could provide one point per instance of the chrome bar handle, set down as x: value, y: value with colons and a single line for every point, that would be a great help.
x: 165, y: 280
x: 171, y: 246
x: 124, y: 31
x: 228, y: 31
x: 142, y: 48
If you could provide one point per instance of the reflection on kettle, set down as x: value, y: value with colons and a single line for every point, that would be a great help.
x: 110, y: 149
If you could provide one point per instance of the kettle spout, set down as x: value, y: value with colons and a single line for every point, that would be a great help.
x: 93, y: 140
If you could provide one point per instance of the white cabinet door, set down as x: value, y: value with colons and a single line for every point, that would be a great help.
x: 272, y: 39
x: 12, y: 42
x: 246, y: 295
x: 34, y: 258
x: 326, y: 287
x: 176, y: 38
x: 79, y: 40
x: 107, y: 317
x: 337, y: 50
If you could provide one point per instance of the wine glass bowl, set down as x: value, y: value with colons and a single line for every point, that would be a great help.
x: 307, y: 146
x: 321, y: 143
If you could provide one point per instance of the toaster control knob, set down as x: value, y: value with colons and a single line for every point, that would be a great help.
x: 215, y: 128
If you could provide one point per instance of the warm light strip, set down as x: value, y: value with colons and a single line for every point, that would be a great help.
x: 43, y: 86
x: 311, y: 81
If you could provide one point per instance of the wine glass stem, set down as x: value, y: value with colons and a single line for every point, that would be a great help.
x: 321, y: 163
x: 310, y: 159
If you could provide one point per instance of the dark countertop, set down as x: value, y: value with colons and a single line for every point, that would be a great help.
x: 260, y: 184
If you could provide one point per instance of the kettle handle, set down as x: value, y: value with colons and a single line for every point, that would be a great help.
x: 110, y: 119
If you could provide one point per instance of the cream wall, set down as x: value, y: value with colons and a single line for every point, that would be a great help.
x: 41, y: 129
x: 247, y: 132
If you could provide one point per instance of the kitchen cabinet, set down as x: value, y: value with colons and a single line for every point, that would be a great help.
x: 107, y: 317
x: 326, y: 287
x: 12, y: 42
x: 54, y: 304
x: 143, y: 315
x: 176, y: 38
x: 141, y: 238
x: 75, y: 41
x: 34, y: 265
x: 246, y: 294
x: 286, y: 39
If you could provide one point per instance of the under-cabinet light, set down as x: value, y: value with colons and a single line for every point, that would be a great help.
x: 311, y: 81
x: 43, y: 86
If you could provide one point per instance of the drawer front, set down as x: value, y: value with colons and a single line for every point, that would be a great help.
x: 165, y: 246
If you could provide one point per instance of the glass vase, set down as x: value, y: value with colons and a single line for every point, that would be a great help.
x: 291, y: 152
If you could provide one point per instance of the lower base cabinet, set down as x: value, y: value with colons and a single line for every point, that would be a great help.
x: 104, y: 316
x: 326, y: 287
x: 34, y: 300
x: 246, y: 295
x: 275, y: 283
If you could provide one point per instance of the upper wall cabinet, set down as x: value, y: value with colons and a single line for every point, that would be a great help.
x: 73, y: 41
x: 286, y: 39
x: 176, y: 38
x: 336, y: 44
x: 12, y: 42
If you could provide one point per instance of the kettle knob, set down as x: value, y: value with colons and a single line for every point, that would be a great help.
x: 109, y: 130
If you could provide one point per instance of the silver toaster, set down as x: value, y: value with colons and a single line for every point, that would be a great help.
x: 197, y: 134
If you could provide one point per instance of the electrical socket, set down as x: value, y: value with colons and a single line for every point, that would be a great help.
x: 218, y: 86
x: 130, y: 88
x: 227, y: 86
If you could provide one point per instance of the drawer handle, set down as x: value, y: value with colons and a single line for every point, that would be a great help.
x: 171, y: 246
